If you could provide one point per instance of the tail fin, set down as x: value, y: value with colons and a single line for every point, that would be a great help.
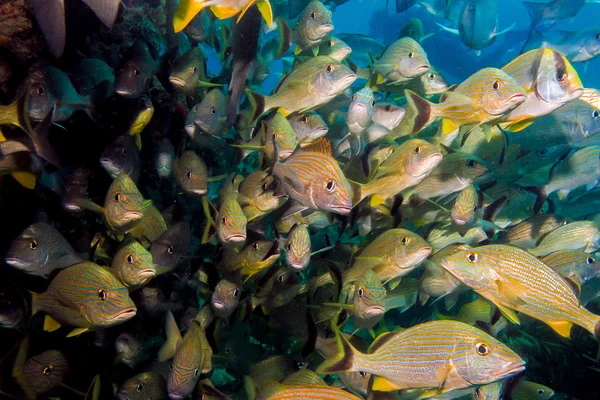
x: 185, y: 13
x: 541, y: 197
x: 168, y: 350
x: 536, y: 12
x: 285, y: 37
x: 257, y: 102
x: 343, y: 360
x: 418, y: 112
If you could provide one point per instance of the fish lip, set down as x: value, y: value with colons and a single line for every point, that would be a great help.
x: 343, y: 210
x: 177, y: 82
x: 424, y: 68
x: 375, y: 310
x: 200, y: 192
x: 511, y: 370
x: 126, y: 314
x: 147, y: 273
x: 348, y: 79
x: 218, y: 305
x: 297, y: 267
x: 435, y: 159
x: 237, y: 238
x: 110, y: 167
x: 460, y: 221
x: 124, y: 93
x: 175, y: 396
x: 132, y: 216
x: 15, y: 262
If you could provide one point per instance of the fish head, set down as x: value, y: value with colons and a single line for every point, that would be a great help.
x: 41, y: 98
x: 268, y: 199
x: 123, y: 203
x: 482, y: 359
x: 187, y: 365
x: 133, y: 265
x: 432, y: 82
x: 532, y: 390
x: 46, y: 371
x: 388, y: 114
x: 12, y: 307
x: 211, y: 112
x: 413, y: 61
x: 592, y: 43
x: 472, y: 268
x: 121, y: 156
x: 557, y: 82
x: 331, y: 78
x: 231, y: 223
x: 186, y: 70
x: 465, y: 206
x: 422, y: 157
x: 308, y: 126
x: 225, y: 298
x: 499, y: 92
x: 335, y: 48
x: 30, y: 252
x: 147, y: 385
x: 191, y: 173
x: 279, y: 132
x: 297, y: 248
x: 315, y: 22
x: 333, y: 192
x: 360, y: 111
x: 129, y: 346
x: 171, y: 246
x: 369, y: 297
x: 410, y: 250
x: 468, y: 168
x: 136, y: 71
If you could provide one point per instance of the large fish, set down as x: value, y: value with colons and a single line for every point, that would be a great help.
x: 137, y: 69
x: 577, y: 46
x: 146, y: 385
x: 402, y: 61
x: 436, y: 357
x: 188, y: 73
x: 132, y: 264
x: 580, y: 235
x: 85, y: 296
x: 312, y: 28
x: 516, y: 281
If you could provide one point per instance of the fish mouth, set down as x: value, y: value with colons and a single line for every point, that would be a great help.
x: 125, y: 314
x: 422, y: 254
x: 177, y: 82
x: 374, y: 311
x: 175, y: 396
x: 200, y: 192
x: 460, y: 221
x: 131, y: 216
x: 422, y: 69
x: 110, y: 167
x: 15, y: 262
x: 511, y: 370
x: 72, y: 207
x: 237, y: 238
x: 283, y: 154
x: 343, y: 210
x: 512, y: 102
x: 125, y: 93
x: 429, y: 165
x: 321, y: 32
x: 219, y: 305
x: 147, y: 274
x: 348, y: 80
x: 297, y: 267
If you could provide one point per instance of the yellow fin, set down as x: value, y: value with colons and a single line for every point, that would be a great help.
x: 509, y: 314
x: 448, y: 126
x: 138, y: 141
x: 315, y: 51
x: 50, y: 324
x: 26, y: 179
x: 394, y: 282
x: 297, y: 50
x: 186, y: 11
x: 520, y: 125
x: 264, y: 7
x: 382, y: 384
x: 77, y: 332
x: 442, y: 374
x: 376, y: 200
x: 563, y: 328
x: 2, y: 137
x: 487, y: 131
x: 512, y: 291
x: 223, y: 12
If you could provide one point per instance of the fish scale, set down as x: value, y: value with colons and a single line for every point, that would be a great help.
x: 582, y: 235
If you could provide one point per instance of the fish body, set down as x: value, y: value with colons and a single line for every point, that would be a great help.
x: 437, y: 282
x: 581, y: 168
x: 335, y: 48
x: 146, y: 385
x: 132, y: 264
x: 46, y: 371
x: 170, y: 247
x: 579, y: 235
x: 251, y: 260
x: 188, y: 73
x: 513, y: 279
x: 388, y: 115
x: 225, y: 298
x: 576, y: 265
x: 211, y: 113
x: 129, y: 349
x: 191, y: 173
x: 231, y: 223
x: 477, y: 23
x: 527, y: 234
x: 547, y: 14
x: 123, y: 204
x: 360, y: 113
x: 278, y: 391
x: 401, y: 61
x: 308, y: 126
x: 257, y: 196
x: 577, y: 46
x: 137, y: 69
x: 297, y: 247
x: 122, y: 156
x: 279, y: 133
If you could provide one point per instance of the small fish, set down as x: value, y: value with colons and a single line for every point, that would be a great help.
x: 85, y: 296
x: 137, y: 69
x: 279, y: 391
x: 231, y: 223
x: 146, y: 385
x: 129, y: 349
x: 13, y: 308
x: 39, y: 250
x: 313, y: 178
x: 225, y: 298
x: 297, y: 247
x: 335, y: 48
x: 211, y: 113
x: 132, y: 264
x: 222, y: 9
x: 579, y: 235
x: 188, y: 73
x: 401, y: 61
x: 428, y: 84
x: 388, y: 115
x: 575, y: 265
x: 359, y: 116
x: 257, y: 195
x: 278, y: 132
x: 577, y: 46
x: 164, y: 158
x: 516, y: 281
x: 191, y: 173
x: 171, y: 247
x: 492, y: 391
x: 46, y: 371
x: 142, y: 115
x: 445, y: 368
x: 308, y: 126
x: 312, y: 28
x: 526, y: 390
x: 122, y: 156
x: 470, y: 313
x: 527, y: 234
x: 309, y: 85
x: 277, y: 289
x: 364, y: 48
x: 251, y: 260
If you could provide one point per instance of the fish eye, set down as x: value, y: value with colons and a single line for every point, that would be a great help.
x: 281, y: 277
x: 130, y: 259
x: 362, y: 374
x: 431, y: 76
x: 303, y: 119
x: 124, y: 152
x: 361, y: 292
x: 590, y: 260
x: 501, y: 397
x: 224, y: 220
x: 227, y: 350
x: 411, y: 54
x: 195, y: 69
x: 330, y: 185
x: 595, y: 114
x: 289, y: 247
x: 417, y: 149
x: 542, y: 152
x: 405, y: 240
x: 213, y: 111
x: 540, y: 392
x: 189, y: 174
x: 196, y: 372
x: 40, y: 90
x: 471, y: 163
x: 477, y: 392
x: 102, y: 294
x: 472, y: 257
x: 483, y: 349
x: 388, y: 107
x: 561, y: 75
x: 331, y: 43
x: 139, y: 387
x: 475, y: 208
x: 236, y: 293
x: 329, y: 68
x: 33, y: 244
x: 373, y: 103
x: 255, y: 246
x: 598, y: 36
x: 496, y: 85
x: 136, y: 72
x: 48, y: 370
x: 170, y: 249
x: 313, y: 15
x: 118, y: 197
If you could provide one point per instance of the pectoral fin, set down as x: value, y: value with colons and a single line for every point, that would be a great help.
x: 264, y: 7
x: 443, y: 373
x: 26, y: 179
x: 513, y: 291
x: 77, y: 332
x: 448, y: 126
x: 563, y: 328
x: 509, y: 314
x: 50, y: 324
x: 382, y: 384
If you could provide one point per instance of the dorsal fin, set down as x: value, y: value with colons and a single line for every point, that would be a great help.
x: 381, y: 340
x: 320, y: 145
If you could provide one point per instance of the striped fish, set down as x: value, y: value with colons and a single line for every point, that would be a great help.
x: 335, y: 48
x: 46, y: 371
x: 225, y: 298
x: 147, y: 385
x: 151, y: 226
x: 465, y: 207
x: 231, y: 223
x: 132, y: 264
x: 391, y: 255
x: 309, y: 85
x: 279, y: 391
x: 436, y: 357
x: 279, y: 132
x: 313, y: 178
x: 211, y: 113
x: 492, y: 391
x: 592, y: 97
x: 191, y: 173
x: 437, y: 282
x: 253, y: 259
x: 405, y: 166
x: 401, y: 61
x: 85, y: 296
x: 257, y: 195
x: 308, y: 126
x: 526, y: 234
x: 515, y: 280
x: 297, y: 247
x: 580, y: 235
x: 549, y: 80
x: 575, y: 265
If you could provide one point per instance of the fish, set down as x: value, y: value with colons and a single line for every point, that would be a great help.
x: 46, y: 371
x: 527, y: 234
x: 225, y: 298
x: 150, y: 227
x: 297, y: 247
x: 222, y: 9
x: 470, y: 313
x: 274, y: 390
x: 129, y: 349
x: 188, y: 73
x: 516, y: 281
x: 308, y: 126
x: 401, y: 61
x: 313, y: 26
x: 278, y: 132
x: 392, y: 255
x: 575, y: 265
x: 137, y: 69
x: 428, y: 84
x: 146, y: 385
x: 577, y: 46
x: 257, y: 197
x: 359, y: 117
x: 132, y: 264
x: 84, y: 296
x: 579, y: 235
x: 231, y: 224
x: 364, y: 48
x: 13, y: 308
x: 40, y: 250
x: 144, y: 111
x: 335, y: 48
x: 313, y: 178
x: 309, y: 85
x: 122, y: 156
x: 524, y: 390
x: 489, y: 392
x: 388, y: 115
x: 191, y: 173
x: 277, y: 289
x: 164, y: 159
x: 446, y: 366
x: 251, y: 260
x: 211, y: 113
x: 171, y: 247
x: 407, y: 166
x: 547, y: 14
